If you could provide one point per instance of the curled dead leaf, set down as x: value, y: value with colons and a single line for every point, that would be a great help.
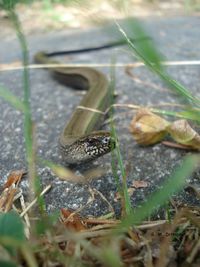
x: 148, y: 128
x: 72, y: 220
x: 10, y: 190
x: 183, y: 133
x: 14, y: 177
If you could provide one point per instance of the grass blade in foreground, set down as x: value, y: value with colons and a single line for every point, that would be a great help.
x: 116, y: 154
x: 184, y: 114
x: 11, y: 226
x: 153, y: 62
x: 173, y: 184
x: 26, y: 86
x: 28, y: 127
x: 11, y: 98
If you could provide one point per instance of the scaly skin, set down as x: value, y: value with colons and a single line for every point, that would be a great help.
x: 79, y: 141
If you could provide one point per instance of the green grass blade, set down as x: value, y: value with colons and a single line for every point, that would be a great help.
x: 11, y: 226
x: 153, y: 63
x: 187, y: 114
x: 191, y: 114
x: 146, y: 47
x: 8, y: 264
x: 12, y: 99
x: 116, y: 154
x: 28, y: 126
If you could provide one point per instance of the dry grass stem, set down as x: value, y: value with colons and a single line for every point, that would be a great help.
x: 44, y: 191
x: 18, y: 65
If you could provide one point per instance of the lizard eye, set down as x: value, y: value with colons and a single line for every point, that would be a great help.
x: 105, y: 140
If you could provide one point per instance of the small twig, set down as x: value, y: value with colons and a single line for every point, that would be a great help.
x: 102, y: 227
x: 90, y: 109
x: 26, y: 217
x: 146, y: 83
x: 82, y: 235
x: 150, y: 225
x: 133, y: 259
x: 110, y: 223
x: 100, y: 221
x: 105, y: 199
x: 176, y: 145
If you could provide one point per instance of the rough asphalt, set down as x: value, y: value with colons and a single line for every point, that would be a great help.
x: 52, y: 104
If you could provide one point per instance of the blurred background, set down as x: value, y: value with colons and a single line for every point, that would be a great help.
x: 47, y: 15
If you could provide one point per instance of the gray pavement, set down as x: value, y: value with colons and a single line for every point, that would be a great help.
x: 52, y: 104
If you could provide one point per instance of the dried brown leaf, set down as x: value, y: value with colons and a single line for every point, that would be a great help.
x: 72, y: 221
x: 184, y: 134
x: 10, y: 189
x: 14, y: 177
x: 3, y: 199
x: 10, y: 199
x: 139, y: 184
x: 148, y: 128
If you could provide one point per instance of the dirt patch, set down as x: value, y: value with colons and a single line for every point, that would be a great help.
x: 37, y: 17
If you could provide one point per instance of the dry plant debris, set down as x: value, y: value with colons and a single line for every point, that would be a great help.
x: 148, y: 128
x: 74, y: 240
x: 10, y: 190
x: 139, y: 184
